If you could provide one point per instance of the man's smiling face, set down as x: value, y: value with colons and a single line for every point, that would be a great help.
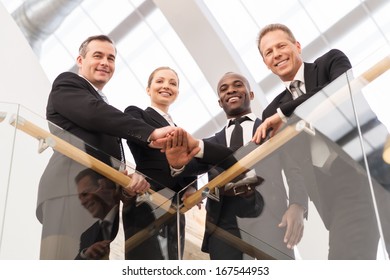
x: 234, y: 95
x: 280, y: 54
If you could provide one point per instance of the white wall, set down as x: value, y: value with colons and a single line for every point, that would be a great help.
x: 22, y: 81
x: 22, y: 78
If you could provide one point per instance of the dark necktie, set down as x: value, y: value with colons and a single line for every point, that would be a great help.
x: 105, y: 228
x: 236, y: 139
x: 295, y: 86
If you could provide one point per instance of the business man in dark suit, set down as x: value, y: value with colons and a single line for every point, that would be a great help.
x: 340, y: 190
x: 263, y: 209
x: 281, y: 221
x: 76, y: 105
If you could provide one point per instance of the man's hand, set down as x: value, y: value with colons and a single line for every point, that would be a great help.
x: 180, y: 148
x: 158, y: 137
x: 293, y: 221
x: 190, y: 190
x: 271, y: 124
x: 98, y: 250
x: 137, y: 185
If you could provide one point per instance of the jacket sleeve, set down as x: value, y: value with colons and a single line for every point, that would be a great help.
x: 74, y: 100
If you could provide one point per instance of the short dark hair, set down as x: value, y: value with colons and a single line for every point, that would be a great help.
x: 84, y: 45
x: 244, y: 79
x: 273, y: 27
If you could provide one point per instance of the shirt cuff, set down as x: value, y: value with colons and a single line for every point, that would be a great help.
x: 201, y: 152
x: 176, y: 171
x: 281, y: 115
x: 83, y: 255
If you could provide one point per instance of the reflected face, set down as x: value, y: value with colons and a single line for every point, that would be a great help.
x: 163, y: 89
x: 234, y: 95
x: 98, y: 65
x: 280, y: 54
x: 97, y: 199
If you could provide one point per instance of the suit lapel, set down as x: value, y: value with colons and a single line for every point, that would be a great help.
x: 310, y: 75
x: 90, y: 87
x: 220, y: 137
x: 285, y: 97
x: 156, y: 117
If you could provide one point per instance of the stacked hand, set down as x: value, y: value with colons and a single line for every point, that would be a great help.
x: 180, y: 148
x: 159, y: 136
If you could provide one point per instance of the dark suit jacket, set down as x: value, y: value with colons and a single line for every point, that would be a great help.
x: 152, y: 162
x: 76, y: 107
x: 272, y: 189
x: 94, y: 234
x: 318, y: 75
x: 323, y: 191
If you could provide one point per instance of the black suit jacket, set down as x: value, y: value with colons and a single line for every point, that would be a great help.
x: 152, y: 162
x: 272, y: 189
x: 318, y: 75
x: 76, y: 107
x: 94, y: 234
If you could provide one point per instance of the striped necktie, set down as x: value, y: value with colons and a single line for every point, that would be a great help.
x: 295, y: 88
x: 103, y: 96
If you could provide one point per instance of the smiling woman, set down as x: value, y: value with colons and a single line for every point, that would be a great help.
x: 163, y: 90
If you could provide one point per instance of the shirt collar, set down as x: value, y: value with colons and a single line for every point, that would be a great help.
x: 110, y: 217
x: 159, y: 111
x: 89, y: 82
x: 251, y: 116
x: 166, y: 116
x: 300, y: 76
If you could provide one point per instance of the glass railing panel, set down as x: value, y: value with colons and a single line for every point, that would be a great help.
x: 71, y: 187
x: 241, y: 210
x: 24, y: 166
x: 374, y: 123
x: 342, y: 131
x: 6, y: 151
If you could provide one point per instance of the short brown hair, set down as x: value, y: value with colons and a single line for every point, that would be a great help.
x: 84, y: 45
